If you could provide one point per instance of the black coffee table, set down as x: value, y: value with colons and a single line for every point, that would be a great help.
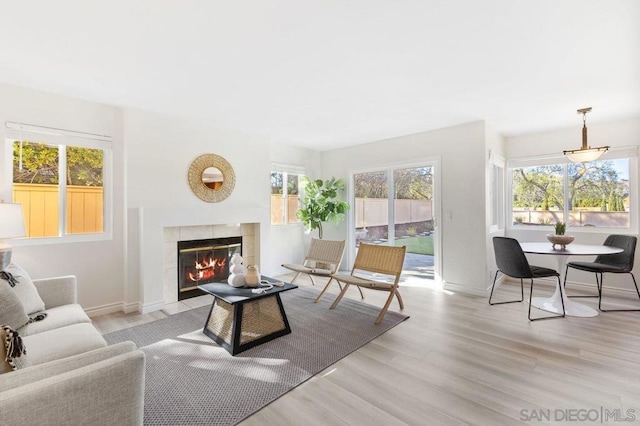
x: 240, y: 319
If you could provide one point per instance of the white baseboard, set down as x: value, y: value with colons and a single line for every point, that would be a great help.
x: 589, y: 288
x: 104, y: 309
x: 127, y: 308
x: 152, y: 307
x: 466, y: 290
x: 458, y: 288
x: 499, y: 281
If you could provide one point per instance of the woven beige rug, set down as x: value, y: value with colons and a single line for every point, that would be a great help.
x: 190, y: 380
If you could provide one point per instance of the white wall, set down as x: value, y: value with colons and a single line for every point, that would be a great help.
x: 621, y: 133
x: 99, y: 264
x: 160, y: 150
x: 151, y: 156
x: 289, y: 243
x: 461, y: 150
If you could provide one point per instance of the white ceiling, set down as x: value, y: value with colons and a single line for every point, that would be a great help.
x: 330, y: 73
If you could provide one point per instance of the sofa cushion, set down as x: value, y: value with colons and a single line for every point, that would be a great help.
x: 57, y: 317
x: 62, y: 342
x: 25, y: 289
x: 12, y: 311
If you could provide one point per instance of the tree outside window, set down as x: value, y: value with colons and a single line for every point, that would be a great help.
x: 596, y: 194
x: 539, y: 189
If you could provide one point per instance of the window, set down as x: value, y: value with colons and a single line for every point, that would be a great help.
x: 595, y: 194
x: 59, y: 179
x: 538, y: 195
x: 284, y: 196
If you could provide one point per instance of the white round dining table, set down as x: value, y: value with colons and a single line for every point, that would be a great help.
x: 554, y: 303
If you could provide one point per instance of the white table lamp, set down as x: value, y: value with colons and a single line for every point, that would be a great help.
x: 11, y: 226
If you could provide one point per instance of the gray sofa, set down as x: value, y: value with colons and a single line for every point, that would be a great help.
x: 71, y: 375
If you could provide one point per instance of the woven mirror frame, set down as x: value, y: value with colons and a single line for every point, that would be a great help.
x: 195, y: 176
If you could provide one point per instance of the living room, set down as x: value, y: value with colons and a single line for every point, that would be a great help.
x: 152, y: 148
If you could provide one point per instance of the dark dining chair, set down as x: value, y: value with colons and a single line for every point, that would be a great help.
x: 619, y: 263
x: 512, y: 262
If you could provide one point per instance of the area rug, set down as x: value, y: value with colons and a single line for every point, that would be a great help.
x: 191, y: 380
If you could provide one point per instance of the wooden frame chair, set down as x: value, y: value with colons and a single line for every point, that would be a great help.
x: 321, y: 253
x: 386, y: 260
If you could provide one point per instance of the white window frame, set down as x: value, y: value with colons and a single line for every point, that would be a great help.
x: 62, y: 138
x: 497, y: 189
x: 631, y: 153
x: 286, y: 170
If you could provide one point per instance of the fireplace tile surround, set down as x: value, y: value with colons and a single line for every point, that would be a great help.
x: 248, y: 231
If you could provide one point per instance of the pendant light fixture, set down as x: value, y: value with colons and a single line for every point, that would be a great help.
x: 586, y: 153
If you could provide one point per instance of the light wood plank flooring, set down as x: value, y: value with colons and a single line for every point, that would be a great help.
x: 458, y: 360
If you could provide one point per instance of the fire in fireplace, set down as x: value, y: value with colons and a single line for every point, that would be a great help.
x: 203, y: 262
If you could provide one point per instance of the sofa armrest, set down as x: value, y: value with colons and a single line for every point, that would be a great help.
x: 57, y: 291
x: 42, y: 371
x: 107, y: 392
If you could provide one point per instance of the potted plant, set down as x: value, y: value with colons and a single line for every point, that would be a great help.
x: 559, y: 237
x: 320, y: 203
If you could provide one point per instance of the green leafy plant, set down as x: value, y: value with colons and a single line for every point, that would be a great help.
x: 412, y: 231
x: 560, y: 227
x: 320, y: 203
x: 38, y: 163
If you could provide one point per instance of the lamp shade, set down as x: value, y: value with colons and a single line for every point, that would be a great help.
x: 585, y: 155
x: 11, y: 221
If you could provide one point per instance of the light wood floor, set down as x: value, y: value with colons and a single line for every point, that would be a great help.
x: 458, y: 360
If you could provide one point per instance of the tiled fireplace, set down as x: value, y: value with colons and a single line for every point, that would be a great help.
x: 203, y: 262
x: 172, y: 235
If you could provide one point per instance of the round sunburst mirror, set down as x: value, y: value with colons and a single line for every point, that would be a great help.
x: 211, y: 178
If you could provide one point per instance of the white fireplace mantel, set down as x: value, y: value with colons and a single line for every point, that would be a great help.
x: 151, y: 250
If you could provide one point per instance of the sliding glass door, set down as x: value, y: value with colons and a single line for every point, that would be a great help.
x: 397, y: 206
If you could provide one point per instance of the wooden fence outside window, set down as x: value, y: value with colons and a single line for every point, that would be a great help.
x: 40, y: 206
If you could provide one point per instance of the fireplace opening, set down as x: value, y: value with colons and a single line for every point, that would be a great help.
x: 203, y: 262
